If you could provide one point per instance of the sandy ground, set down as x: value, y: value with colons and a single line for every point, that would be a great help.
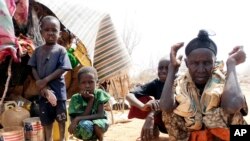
x: 129, y: 130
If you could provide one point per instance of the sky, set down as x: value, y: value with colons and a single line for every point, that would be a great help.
x: 158, y: 24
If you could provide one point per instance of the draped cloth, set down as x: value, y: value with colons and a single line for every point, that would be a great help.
x: 8, y: 41
x: 200, y: 114
x: 111, y: 56
x: 21, y: 13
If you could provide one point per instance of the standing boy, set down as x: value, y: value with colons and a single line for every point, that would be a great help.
x: 49, y: 62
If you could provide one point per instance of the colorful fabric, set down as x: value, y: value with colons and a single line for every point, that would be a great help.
x: 8, y: 41
x: 26, y: 45
x: 73, y: 60
x: 178, y: 130
x: 81, y: 54
x: 210, y: 135
x: 21, y: 14
x: 78, y: 105
x: 85, y: 128
x: 11, y: 6
x: 197, y: 111
x: 135, y: 112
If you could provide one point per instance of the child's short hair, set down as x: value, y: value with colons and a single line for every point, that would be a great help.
x: 86, y: 70
x: 48, y: 18
x: 164, y: 59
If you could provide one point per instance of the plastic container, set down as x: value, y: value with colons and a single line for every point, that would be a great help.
x: 14, y: 133
x: 33, y: 129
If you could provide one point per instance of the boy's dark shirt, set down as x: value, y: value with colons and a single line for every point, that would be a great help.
x: 153, y: 88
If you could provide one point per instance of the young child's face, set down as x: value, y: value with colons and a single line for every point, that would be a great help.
x: 50, y: 30
x: 87, y: 84
x: 163, y: 70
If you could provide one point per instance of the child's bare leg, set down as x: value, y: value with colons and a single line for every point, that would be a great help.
x: 62, y: 130
x: 99, y: 132
x: 48, y: 132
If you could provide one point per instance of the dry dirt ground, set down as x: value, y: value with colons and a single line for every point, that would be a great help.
x: 129, y: 130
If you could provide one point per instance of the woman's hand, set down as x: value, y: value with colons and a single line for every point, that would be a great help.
x: 73, y: 125
x: 152, y: 105
x: 175, y: 62
x: 147, y: 132
x: 236, y: 56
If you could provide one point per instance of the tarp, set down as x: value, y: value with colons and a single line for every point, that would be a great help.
x: 97, y: 32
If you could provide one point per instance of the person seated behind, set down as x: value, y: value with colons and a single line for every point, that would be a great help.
x: 86, y: 108
x: 142, y: 106
x: 201, y: 103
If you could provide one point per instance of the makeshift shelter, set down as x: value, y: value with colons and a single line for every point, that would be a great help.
x: 92, y: 32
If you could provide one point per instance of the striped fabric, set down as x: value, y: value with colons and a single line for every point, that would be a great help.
x: 110, y: 54
x: 96, y: 30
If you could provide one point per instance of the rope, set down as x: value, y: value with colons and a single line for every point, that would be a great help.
x: 7, y: 82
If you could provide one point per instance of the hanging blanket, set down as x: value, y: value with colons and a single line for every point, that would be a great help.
x: 21, y: 14
x: 8, y: 41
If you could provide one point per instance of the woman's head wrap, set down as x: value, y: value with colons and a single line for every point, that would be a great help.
x: 202, y: 41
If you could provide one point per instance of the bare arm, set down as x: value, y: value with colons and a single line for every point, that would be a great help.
x: 133, y: 101
x: 37, y: 78
x: 147, y: 131
x: 232, y: 99
x: 88, y: 108
x: 167, y: 100
x: 35, y: 74
x: 42, y: 83
x: 54, y: 75
x: 98, y: 115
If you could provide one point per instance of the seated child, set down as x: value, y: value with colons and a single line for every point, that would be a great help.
x: 86, y: 108
x: 144, y: 107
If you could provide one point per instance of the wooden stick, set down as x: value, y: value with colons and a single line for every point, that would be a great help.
x: 7, y: 83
